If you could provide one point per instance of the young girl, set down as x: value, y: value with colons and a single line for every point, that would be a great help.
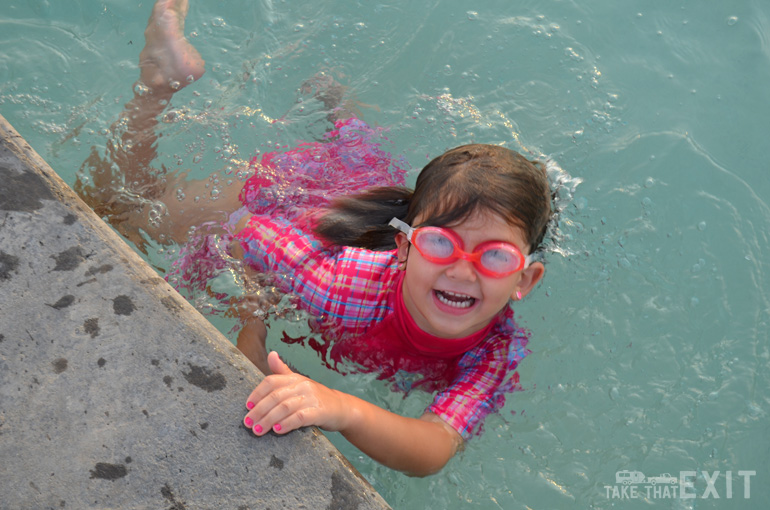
x: 404, y: 282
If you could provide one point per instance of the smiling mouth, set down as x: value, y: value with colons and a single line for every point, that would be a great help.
x: 455, y: 300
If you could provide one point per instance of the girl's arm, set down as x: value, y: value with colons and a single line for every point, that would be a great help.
x: 286, y: 401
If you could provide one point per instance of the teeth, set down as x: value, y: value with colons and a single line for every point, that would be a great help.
x: 464, y: 301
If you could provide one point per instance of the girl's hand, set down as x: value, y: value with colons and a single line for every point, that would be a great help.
x: 286, y: 401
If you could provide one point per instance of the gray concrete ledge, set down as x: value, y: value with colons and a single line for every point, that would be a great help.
x: 114, y: 391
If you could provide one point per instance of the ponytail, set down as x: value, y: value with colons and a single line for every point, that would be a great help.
x: 452, y: 187
x: 361, y: 220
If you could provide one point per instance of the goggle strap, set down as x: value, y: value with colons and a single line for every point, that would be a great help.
x: 403, y: 227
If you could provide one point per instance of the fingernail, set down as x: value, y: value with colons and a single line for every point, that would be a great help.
x: 277, y: 427
x: 257, y: 429
x: 249, y: 405
x: 248, y: 421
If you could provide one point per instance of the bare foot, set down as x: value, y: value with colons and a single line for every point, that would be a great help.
x: 325, y: 88
x: 168, y: 61
x: 334, y: 96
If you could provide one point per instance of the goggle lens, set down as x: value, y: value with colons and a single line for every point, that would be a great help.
x: 435, y: 244
x: 500, y: 260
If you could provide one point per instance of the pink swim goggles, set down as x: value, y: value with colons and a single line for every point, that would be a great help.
x: 442, y: 246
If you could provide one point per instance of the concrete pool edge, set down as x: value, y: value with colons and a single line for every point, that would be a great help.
x: 115, y: 391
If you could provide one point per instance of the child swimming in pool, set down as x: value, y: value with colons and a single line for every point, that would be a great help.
x: 403, y: 281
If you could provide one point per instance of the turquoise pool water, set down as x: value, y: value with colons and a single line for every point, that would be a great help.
x: 650, y: 331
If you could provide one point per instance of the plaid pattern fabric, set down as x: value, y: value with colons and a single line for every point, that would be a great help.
x: 487, y: 373
x: 348, y: 285
x: 352, y: 287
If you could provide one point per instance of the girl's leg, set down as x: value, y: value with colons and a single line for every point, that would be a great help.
x: 167, y: 63
x: 123, y: 187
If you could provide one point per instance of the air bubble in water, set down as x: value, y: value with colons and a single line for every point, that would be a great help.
x: 572, y: 54
x: 698, y: 266
x: 218, y: 22
x: 732, y: 20
x: 702, y: 226
x: 155, y: 214
x: 140, y: 89
x: 473, y: 15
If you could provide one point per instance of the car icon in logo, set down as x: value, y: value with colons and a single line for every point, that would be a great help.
x: 664, y: 478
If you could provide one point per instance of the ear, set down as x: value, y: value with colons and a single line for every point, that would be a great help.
x: 530, y: 277
x: 402, y: 244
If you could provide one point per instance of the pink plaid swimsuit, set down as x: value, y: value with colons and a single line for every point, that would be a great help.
x: 353, y: 296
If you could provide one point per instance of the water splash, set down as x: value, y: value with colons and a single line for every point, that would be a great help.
x: 563, y: 187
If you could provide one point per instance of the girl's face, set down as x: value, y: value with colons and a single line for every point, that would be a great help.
x: 455, y: 300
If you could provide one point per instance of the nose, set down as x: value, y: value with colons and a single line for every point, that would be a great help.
x: 462, y: 270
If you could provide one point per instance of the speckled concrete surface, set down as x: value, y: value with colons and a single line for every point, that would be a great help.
x: 114, y: 392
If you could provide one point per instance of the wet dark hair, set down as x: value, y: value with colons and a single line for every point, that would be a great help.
x: 461, y: 182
